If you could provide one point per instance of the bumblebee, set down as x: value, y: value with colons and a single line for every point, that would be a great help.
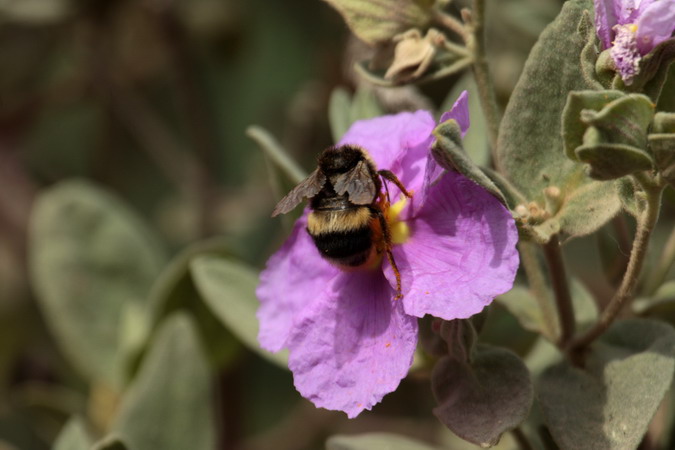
x: 348, y: 220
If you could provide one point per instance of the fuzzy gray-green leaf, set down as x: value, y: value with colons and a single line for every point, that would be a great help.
x: 573, y: 128
x: 584, y: 210
x: 589, y: 53
x: 482, y: 400
x: 168, y: 405
x: 73, y: 436
x: 448, y: 152
x: 530, y: 144
x: 89, y: 256
x: 339, y: 114
x: 228, y: 288
x: 611, y: 161
x: 610, y: 405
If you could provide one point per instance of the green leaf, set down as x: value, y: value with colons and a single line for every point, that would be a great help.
x: 520, y: 302
x: 175, y: 290
x: 585, y: 306
x: 666, y: 96
x: 376, y: 22
x: 573, y: 128
x: 371, y: 441
x: 448, y: 152
x: 608, y: 131
x: 610, y: 405
x: 584, y: 210
x: 168, y: 405
x: 589, y: 54
x: 344, y: 110
x: 530, y: 144
x: 524, y: 306
x: 228, y: 288
x: 662, y: 143
x: 364, y: 105
x: 482, y: 400
x: 611, y: 161
x: 276, y: 153
x: 73, y: 436
x: 339, y: 112
x: 89, y: 256
x: 621, y: 121
x: 460, y: 337
x: 661, y: 305
x: 111, y: 442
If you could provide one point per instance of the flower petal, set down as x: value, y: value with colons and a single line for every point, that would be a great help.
x: 605, y: 19
x: 386, y: 138
x: 294, y: 276
x: 655, y: 25
x: 459, y: 112
x: 353, y: 345
x: 461, y: 252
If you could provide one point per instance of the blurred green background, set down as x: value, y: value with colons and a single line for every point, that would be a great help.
x: 145, y: 104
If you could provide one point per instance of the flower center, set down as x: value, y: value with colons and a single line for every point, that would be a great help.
x: 625, y: 52
x: 400, y: 231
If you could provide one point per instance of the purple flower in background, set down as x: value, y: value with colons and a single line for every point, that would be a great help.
x: 350, y: 340
x: 632, y: 28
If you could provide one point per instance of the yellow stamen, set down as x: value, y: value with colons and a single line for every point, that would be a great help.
x: 400, y: 232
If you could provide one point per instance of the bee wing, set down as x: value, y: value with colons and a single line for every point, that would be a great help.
x: 309, y: 187
x: 358, y: 183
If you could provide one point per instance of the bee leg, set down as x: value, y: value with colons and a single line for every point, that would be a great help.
x: 387, y: 248
x: 386, y: 188
x: 387, y: 174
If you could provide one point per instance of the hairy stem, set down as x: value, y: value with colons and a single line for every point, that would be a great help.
x: 473, y: 34
x: 452, y: 24
x: 481, y: 71
x: 563, y: 299
x: 537, y: 283
x: 646, y: 224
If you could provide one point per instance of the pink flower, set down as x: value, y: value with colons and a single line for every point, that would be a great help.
x: 632, y: 28
x: 350, y: 341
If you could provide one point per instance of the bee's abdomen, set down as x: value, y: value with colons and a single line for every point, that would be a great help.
x: 343, y: 237
x: 348, y: 248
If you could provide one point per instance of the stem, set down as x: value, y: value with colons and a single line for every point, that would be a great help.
x: 481, y: 71
x: 537, y: 283
x: 658, y: 274
x: 563, y: 300
x: 473, y: 34
x: 646, y: 224
x: 451, y: 24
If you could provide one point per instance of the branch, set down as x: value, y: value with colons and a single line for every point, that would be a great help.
x: 646, y: 224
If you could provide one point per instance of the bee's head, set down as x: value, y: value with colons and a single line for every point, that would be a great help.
x: 336, y: 160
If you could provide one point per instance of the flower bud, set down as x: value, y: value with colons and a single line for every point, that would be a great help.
x: 608, y: 131
x: 413, y: 54
x: 662, y: 143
